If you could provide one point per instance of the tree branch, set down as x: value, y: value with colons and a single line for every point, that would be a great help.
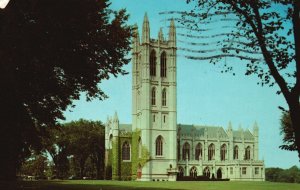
x: 296, y: 30
x: 258, y: 31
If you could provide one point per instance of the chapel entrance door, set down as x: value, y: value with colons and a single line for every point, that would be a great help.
x: 139, y: 171
x: 219, y: 174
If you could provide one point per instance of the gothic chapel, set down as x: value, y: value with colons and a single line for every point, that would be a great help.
x: 155, y: 147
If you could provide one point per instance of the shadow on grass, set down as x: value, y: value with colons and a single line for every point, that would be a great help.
x: 76, y: 185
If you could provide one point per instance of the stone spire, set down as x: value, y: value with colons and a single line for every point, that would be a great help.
x: 172, y: 34
x: 160, y: 35
x: 255, y: 134
x: 136, y: 38
x: 146, y: 30
x: 255, y: 129
x: 229, y: 130
x: 229, y: 126
x: 116, y: 119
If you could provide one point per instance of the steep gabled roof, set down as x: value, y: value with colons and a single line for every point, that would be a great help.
x: 248, y: 135
x: 197, y: 130
x: 239, y: 134
x: 125, y: 128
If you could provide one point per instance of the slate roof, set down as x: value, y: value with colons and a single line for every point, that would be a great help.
x: 248, y: 135
x: 198, y: 130
x: 238, y: 134
x: 213, y: 132
x: 125, y: 127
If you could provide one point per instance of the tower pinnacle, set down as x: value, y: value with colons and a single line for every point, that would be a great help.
x: 172, y: 33
x: 146, y: 30
x: 136, y: 38
x: 160, y: 35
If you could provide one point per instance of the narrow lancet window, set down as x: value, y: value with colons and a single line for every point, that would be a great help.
x: 211, y: 152
x: 186, y: 151
x: 164, y: 97
x: 247, y: 153
x: 153, y: 96
x: 198, y: 152
x: 163, y: 65
x: 153, y: 63
x: 223, y: 152
x: 159, y: 146
x: 236, y: 153
x: 126, y: 151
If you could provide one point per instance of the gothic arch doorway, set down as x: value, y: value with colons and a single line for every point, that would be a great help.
x: 219, y: 173
x: 181, y: 171
x: 139, y: 171
x: 193, y: 172
x: 206, y: 172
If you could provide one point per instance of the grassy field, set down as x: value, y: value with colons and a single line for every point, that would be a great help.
x: 121, y: 185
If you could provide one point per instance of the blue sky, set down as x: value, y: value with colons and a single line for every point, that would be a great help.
x: 205, y: 96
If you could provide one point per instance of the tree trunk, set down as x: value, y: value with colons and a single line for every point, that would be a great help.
x: 56, y: 168
x: 295, y: 118
x: 81, y: 164
x: 99, y: 167
x: 10, y: 129
x: 9, y: 155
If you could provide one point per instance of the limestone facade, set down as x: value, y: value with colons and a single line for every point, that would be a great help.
x: 155, y: 147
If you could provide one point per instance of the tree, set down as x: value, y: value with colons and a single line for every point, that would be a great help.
x: 272, y: 174
x: 86, y: 140
x: 75, y: 145
x: 258, y: 28
x: 97, y: 147
x: 56, y: 144
x: 287, y: 131
x: 51, y: 52
x: 291, y: 175
x: 35, y: 166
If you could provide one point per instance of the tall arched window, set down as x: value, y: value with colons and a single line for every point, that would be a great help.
x: 152, y: 63
x: 153, y: 96
x: 164, y: 97
x: 247, y: 153
x: 163, y: 65
x: 126, y: 151
x: 186, y: 151
x: 140, y: 147
x: 223, y: 152
x: 236, y: 152
x: 198, y: 151
x: 159, y: 146
x: 110, y: 141
x: 211, y: 152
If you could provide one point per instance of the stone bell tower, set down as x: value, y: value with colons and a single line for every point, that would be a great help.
x: 154, y: 110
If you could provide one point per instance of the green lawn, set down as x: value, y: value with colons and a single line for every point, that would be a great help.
x: 121, y: 185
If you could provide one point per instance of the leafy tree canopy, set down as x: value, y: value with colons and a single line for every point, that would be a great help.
x: 75, y: 145
x: 287, y: 131
x: 51, y: 51
x: 86, y: 142
x: 35, y: 166
x: 291, y: 175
